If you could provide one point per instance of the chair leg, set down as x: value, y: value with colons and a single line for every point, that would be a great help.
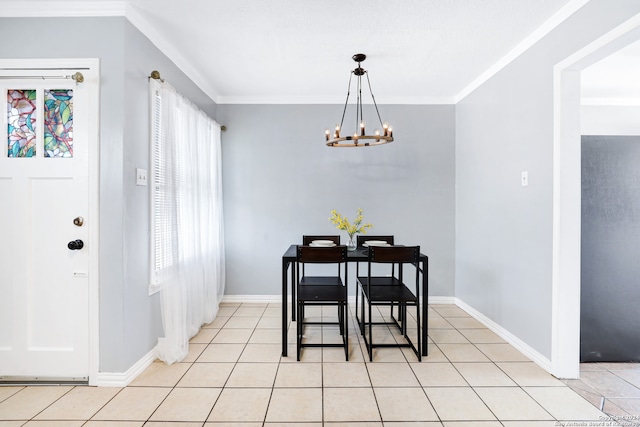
x: 361, y: 324
x: 402, y: 308
x: 370, y: 346
x: 299, y: 330
x: 357, y: 320
x: 345, y: 337
x: 419, y: 332
x: 294, y: 306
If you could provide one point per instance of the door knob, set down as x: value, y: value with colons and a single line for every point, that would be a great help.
x: 75, y: 245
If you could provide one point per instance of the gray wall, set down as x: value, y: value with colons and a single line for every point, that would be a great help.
x: 610, y: 249
x: 503, y: 230
x: 129, y: 319
x: 281, y: 181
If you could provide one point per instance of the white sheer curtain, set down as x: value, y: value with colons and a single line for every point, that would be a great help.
x: 188, y: 263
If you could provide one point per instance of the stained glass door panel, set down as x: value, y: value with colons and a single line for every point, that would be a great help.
x: 58, y: 123
x: 21, y: 122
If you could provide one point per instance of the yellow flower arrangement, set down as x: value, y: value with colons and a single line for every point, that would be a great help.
x: 342, y: 223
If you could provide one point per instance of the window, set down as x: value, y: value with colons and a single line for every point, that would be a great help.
x: 186, y: 239
x: 163, y: 244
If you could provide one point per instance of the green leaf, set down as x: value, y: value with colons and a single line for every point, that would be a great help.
x: 65, y: 112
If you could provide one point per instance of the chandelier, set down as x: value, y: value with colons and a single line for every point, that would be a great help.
x: 359, y: 137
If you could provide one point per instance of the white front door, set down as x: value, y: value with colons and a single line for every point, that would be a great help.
x: 45, y: 243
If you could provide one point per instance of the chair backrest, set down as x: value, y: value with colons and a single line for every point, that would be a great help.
x: 362, y: 239
x: 306, y: 240
x: 321, y: 254
x: 394, y: 254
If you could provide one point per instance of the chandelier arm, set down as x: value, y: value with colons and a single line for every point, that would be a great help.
x: 374, y: 99
x: 347, y: 100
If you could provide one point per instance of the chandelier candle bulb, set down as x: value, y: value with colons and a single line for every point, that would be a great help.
x: 326, y: 133
x: 362, y: 123
x: 337, y: 131
x: 390, y: 132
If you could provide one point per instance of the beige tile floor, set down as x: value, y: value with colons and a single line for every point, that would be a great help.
x: 234, y: 375
x: 612, y: 387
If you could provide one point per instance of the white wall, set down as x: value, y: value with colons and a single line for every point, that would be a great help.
x: 610, y: 120
x: 504, y: 248
x: 281, y: 181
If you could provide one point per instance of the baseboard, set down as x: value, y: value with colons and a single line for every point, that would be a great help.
x: 441, y: 300
x: 516, y: 342
x: 253, y: 298
x: 122, y: 379
x: 237, y: 299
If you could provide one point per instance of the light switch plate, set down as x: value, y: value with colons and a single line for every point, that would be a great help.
x: 141, y: 176
x: 525, y: 179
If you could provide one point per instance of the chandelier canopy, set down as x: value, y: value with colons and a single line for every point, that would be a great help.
x: 359, y: 137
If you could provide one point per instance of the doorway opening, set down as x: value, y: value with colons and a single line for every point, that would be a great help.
x: 566, y: 195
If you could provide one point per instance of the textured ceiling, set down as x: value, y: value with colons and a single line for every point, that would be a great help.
x: 300, y: 50
x: 419, y: 51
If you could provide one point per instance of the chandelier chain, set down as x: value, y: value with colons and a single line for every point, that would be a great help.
x: 347, y: 101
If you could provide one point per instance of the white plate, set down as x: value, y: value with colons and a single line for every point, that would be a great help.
x: 323, y: 242
x: 375, y: 243
x: 324, y: 245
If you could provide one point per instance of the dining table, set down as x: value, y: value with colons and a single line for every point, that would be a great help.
x: 360, y: 254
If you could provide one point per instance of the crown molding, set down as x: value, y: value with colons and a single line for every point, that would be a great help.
x: 549, y: 25
x: 57, y: 9
x: 332, y: 100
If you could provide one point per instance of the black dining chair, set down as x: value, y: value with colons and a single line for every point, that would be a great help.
x: 306, y: 241
x: 389, y: 291
x: 361, y: 241
x: 322, y: 290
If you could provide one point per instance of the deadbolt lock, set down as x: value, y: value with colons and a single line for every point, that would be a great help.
x: 78, y: 221
x: 76, y: 245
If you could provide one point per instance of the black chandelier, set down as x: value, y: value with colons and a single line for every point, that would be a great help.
x: 359, y: 137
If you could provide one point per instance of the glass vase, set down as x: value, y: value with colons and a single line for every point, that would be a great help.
x: 351, y: 243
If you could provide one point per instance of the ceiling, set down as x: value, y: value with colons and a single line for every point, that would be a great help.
x: 299, y: 51
x: 614, y: 80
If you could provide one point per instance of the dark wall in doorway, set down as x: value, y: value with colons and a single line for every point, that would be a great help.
x: 610, y: 301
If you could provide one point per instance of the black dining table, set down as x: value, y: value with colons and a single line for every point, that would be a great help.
x: 360, y: 254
